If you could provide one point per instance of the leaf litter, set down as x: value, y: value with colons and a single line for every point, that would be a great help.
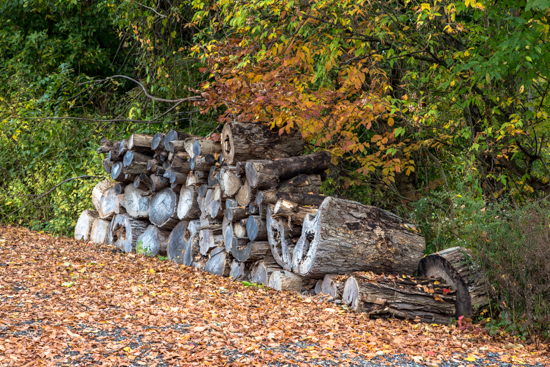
x: 67, y: 303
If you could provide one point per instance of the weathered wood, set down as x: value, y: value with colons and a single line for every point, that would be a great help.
x: 192, y: 256
x: 83, y: 228
x: 107, y: 164
x: 288, y: 210
x: 240, y: 169
x: 218, y: 263
x: 110, y: 204
x: 241, y: 142
x: 282, y: 247
x: 188, y: 207
x: 250, y: 251
x: 177, y: 243
x: 161, y: 156
x: 107, y: 146
x: 100, y: 231
x: 181, y: 163
x: 202, y: 163
x: 236, y: 213
x: 457, y: 267
x: 245, y: 195
x: 119, y: 187
x: 117, y: 173
x: 318, y: 287
x: 212, y: 207
x: 163, y: 207
x: 135, y: 203
x: 262, y: 270
x: 209, y: 238
x: 124, y: 232
x: 99, y: 190
x: 140, y: 143
x: 260, y: 173
x: 142, y: 182
x: 256, y: 228
x: 333, y: 285
x: 400, y: 298
x: 152, y: 242
x: 157, y: 182
x: 218, y: 194
x: 345, y: 236
x: 239, y: 230
x: 301, y: 198
x: 239, y: 271
x: 205, y: 146
x: 158, y: 141
x: 283, y: 280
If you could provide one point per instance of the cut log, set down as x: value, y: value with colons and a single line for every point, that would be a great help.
x: 181, y: 163
x: 180, y: 146
x: 192, y: 256
x: 188, y: 207
x: 202, y: 163
x: 157, y: 182
x: 114, y: 156
x: 135, y: 163
x: 152, y: 242
x: 107, y: 164
x: 239, y: 271
x: 245, y: 195
x: 140, y: 143
x: 236, y: 213
x: 118, y: 174
x: 260, y: 173
x: 195, y: 179
x: 135, y: 203
x: 239, y: 230
x: 209, y: 238
x: 153, y: 166
x: 110, y: 204
x: 345, y: 236
x: 119, y: 188
x: 240, y: 169
x: 212, y: 207
x: 290, y: 211
x: 318, y: 287
x: 158, y: 141
x: 100, y: 231
x: 161, y: 156
x: 214, y: 176
x: 122, y: 147
x: 218, y: 263
x: 256, y: 228
x: 282, y: 247
x: 333, y: 285
x: 83, y: 228
x: 175, y: 135
x: 301, y: 198
x: 142, y: 182
x: 99, y: 190
x: 456, y: 266
x: 177, y: 243
x: 400, y: 298
x: 249, y: 252
x: 177, y: 178
x: 124, y: 232
x: 205, y: 146
x: 107, y: 146
x: 262, y: 270
x: 283, y: 280
x: 163, y: 208
x: 241, y: 142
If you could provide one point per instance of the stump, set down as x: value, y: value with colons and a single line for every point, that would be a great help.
x: 241, y: 142
x: 100, y: 231
x: 135, y: 203
x: 345, y: 236
x: 456, y: 267
x: 83, y: 228
x: 283, y: 280
x: 124, y: 232
x: 162, y: 212
x: 177, y: 243
x: 152, y: 242
x: 400, y: 298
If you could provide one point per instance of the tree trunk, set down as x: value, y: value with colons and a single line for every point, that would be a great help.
x: 110, y: 204
x: 162, y: 212
x: 262, y: 172
x: 99, y: 190
x: 124, y: 232
x: 83, y: 228
x: 219, y: 263
x: 285, y: 281
x: 100, y: 231
x: 251, y: 251
x: 188, y: 207
x: 140, y: 143
x: 262, y: 270
x: 256, y: 228
x: 456, y: 267
x: 400, y: 298
x: 289, y: 211
x: 152, y: 242
x: 241, y: 142
x: 177, y: 243
x: 238, y: 271
x: 135, y: 203
x: 345, y: 236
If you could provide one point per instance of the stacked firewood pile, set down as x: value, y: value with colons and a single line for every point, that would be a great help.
x: 249, y: 206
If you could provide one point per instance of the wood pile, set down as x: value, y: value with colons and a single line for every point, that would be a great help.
x: 250, y: 206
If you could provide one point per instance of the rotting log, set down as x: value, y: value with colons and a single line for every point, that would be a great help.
x: 260, y: 173
x: 125, y: 230
x: 177, y: 243
x: 283, y: 280
x: 162, y: 210
x: 458, y: 268
x: 100, y: 231
x: 345, y: 236
x: 402, y: 298
x: 83, y: 228
x: 152, y: 242
x: 241, y: 142
x: 135, y: 203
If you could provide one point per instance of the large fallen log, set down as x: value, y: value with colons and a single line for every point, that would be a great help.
x: 152, y: 242
x: 83, y: 228
x: 345, y: 236
x: 241, y: 142
x: 402, y: 298
x: 457, y: 267
x: 162, y: 210
x: 135, y: 203
x: 177, y: 243
x: 100, y: 231
x: 124, y: 232
x: 262, y: 173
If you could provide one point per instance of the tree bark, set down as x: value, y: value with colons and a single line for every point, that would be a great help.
x: 251, y: 251
x: 124, y: 232
x: 241, y: 142
x: 289, y: 211
x: 239, y: 271
x: 262, y: 270
x: 158, y: 142
x: 152, y: 242
x: 218, y: 263
x: 83, y: 228
x: 301, y: 198
x: 400, y: 298
x: 285, y: 281
x: 245, y: 195
x: 99, y: 190
x: 256, y: 228
x: 135, y: 203
x: 100, y: 231
x: 140, y: 143
x: 177, y: 243
x: 263, y: 172
x: 162, y: 210
x: 456, y: 266
x: 345, y: 236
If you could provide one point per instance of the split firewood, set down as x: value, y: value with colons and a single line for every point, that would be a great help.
x: 152, y: 242
x: 192, y: 256
x: 209, y: 238
x: 177, y: 243
x: 239, y: 270
x: 163, y: 207
x: 256, y: 228
x: 218, y: 263
x: 83, y: 228
x: 157, y: 182
x: 245, y: 195
x: 100, y: 231
x: 110, y: 204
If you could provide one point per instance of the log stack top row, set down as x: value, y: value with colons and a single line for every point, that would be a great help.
x: 248, y: 206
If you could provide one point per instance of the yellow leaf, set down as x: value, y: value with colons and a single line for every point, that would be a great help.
x: 405, y: 98
x: 471, y: 359
x: 521, y: 89
x: 438, y: 298
x: 152, y: 271
x: 390, y: 121
x: 127, y: 349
